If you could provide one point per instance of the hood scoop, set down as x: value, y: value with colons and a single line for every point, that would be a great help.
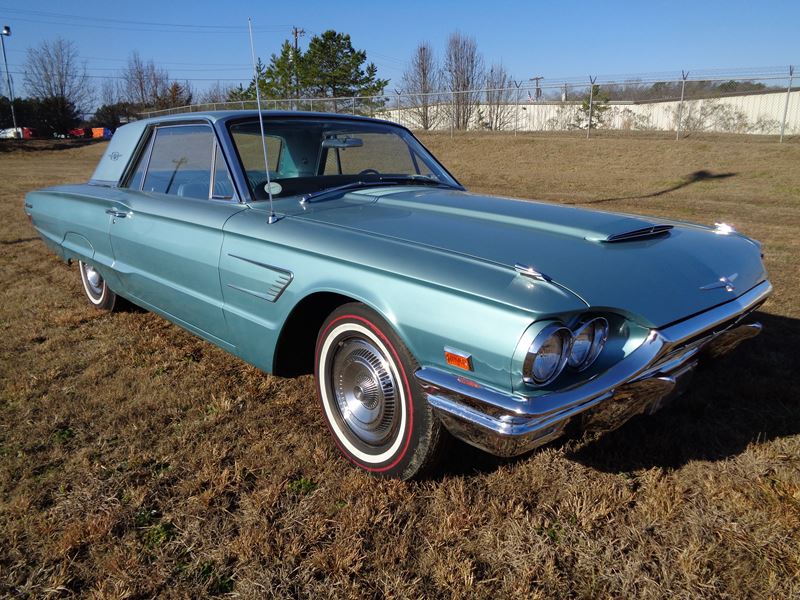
x: 634, y: 235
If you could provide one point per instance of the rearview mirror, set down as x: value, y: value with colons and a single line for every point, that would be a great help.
x: 342, y: 142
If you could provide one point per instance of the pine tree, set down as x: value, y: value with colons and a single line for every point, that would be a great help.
x: 279, y: 77
x: 599, y: 105
x: 333, y: 68
x: 330, y: 68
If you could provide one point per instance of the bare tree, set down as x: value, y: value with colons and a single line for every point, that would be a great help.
x: 498, y: 97
x: 217, y: 92
x: 421, y: 83
x: 53, y: 69
x: 463, y: 74
x: 109, y: 92
x: 142, y: 82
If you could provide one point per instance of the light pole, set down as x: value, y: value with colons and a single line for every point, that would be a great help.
x: 7, y: 33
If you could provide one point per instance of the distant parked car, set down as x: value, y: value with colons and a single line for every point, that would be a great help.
x: 421, y: 308
x: 24, y: 133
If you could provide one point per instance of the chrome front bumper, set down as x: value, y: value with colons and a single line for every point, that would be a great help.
x: 507, y: 424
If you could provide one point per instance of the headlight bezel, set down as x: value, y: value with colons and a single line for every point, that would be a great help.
x: 596, y: 345
x: 549, y: 331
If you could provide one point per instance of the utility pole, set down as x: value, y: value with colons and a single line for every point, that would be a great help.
x: 518, y: 84
x: 591, y: 104
x: 684, y: 77
x: 538, y: 93
x: 7, y: 33
x: 296, y: 33
x: 785, y: 106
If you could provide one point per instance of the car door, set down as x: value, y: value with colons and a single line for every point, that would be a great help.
x: 166, y: 234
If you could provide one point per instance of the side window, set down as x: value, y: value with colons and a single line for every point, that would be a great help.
x: 180, y: 161
x: 223, y: 186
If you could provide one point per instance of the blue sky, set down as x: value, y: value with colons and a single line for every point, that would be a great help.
x: 202, y: 40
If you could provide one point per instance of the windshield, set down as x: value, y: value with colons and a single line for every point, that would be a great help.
x: 314, y: 154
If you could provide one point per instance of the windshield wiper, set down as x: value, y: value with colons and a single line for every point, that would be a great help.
x: 419, y: 180
x: 341, y: 188
x: 380, y: 181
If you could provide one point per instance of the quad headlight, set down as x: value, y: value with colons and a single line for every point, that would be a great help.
x: 587, y: 343
x: 555, y: 346
x: 547, y: 355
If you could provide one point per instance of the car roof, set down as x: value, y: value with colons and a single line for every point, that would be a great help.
x: 120, y: 152
x: 228, y: 115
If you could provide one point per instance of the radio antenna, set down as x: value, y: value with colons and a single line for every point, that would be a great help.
x: 272, y: 217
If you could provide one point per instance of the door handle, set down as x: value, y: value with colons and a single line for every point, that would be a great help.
x: 119, y: 214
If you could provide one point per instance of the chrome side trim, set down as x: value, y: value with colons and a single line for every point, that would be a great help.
x: 283, y: 278
x: 252, y: 293
x: 711, y: 319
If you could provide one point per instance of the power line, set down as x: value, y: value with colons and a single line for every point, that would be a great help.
x: 239, y: 79
x: 179, y: 70
x: 140, y: 29
x: 83, y: 19
x: 125, y: 60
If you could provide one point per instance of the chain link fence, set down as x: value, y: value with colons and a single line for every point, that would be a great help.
x: 762, y: 102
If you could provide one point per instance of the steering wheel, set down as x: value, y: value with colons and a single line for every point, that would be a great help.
x: 369, y: 172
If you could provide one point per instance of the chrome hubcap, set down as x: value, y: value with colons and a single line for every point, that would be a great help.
x: 93, y: 279
x: 365, y: 390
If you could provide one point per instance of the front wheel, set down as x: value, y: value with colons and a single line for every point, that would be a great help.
x: 374, y: 408
x: 97, y: 291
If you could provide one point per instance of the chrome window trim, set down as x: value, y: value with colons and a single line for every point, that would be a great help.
x: 233, y: 197
x: 230, y: 148
x: 213, y: 173
x: 157, y: 129
x: 144, y: 151
x: 147, y: 150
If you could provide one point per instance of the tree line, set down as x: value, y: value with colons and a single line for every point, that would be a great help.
x: 456, y: 88
x: 61, y: 91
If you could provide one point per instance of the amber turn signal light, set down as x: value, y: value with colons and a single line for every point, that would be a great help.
x: 458, y: 359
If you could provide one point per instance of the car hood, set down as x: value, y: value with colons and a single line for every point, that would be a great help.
x: 656, y: 280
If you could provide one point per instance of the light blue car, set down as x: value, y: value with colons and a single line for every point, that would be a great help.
x: 423, y: 310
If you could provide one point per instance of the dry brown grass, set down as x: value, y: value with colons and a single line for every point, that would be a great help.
x: 137, y: 460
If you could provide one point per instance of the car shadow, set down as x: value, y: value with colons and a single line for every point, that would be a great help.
x: 749, y: 396
x: 687, y: 180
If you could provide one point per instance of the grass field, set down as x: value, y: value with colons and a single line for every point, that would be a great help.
x: 137, y: 460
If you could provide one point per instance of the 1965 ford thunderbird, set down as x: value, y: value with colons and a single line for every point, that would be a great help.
x: 421, y: 308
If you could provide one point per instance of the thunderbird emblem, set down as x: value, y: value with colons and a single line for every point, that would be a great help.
x: 722, y: 282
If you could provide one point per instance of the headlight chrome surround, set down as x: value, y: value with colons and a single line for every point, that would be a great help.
x: 548, y: 333
x: 597, y: 329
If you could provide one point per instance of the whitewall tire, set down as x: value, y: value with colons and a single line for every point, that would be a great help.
x: 376, y: 412
x: 95, y: 287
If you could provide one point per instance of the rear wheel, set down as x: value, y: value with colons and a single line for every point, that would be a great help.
x: 375, y: 410
x: 97, y: 291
